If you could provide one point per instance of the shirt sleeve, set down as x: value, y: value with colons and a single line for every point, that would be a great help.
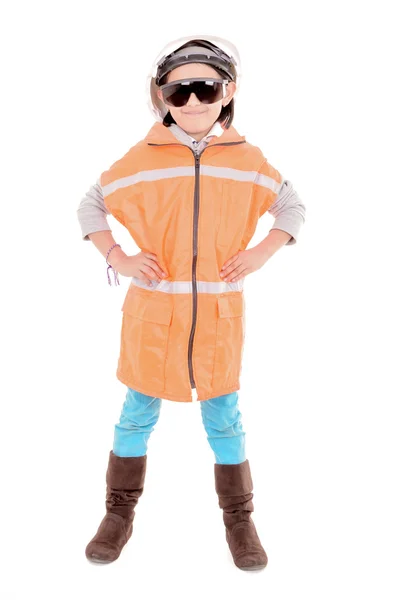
x: 92, y: 212
x: 289, y: 211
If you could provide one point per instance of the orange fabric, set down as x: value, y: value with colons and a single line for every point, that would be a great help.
x: 161, y: 218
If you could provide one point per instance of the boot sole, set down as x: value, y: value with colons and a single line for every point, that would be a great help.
x: 99, y: 560
x: 253, y: 568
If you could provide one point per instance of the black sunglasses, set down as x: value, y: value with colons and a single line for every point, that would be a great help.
x: 178, y: 92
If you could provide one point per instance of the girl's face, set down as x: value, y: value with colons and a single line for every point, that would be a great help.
x: 197, y: 125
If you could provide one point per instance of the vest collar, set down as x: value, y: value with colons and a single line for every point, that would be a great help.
x: 185, y: 138
x: 160, y: 134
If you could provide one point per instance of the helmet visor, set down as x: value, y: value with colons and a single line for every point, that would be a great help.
x: 208, y: 91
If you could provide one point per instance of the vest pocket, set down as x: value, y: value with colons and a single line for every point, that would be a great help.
x: 229, y: 341
x: 145, y: 332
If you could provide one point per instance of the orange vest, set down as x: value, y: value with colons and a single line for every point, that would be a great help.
x: 194, y: 212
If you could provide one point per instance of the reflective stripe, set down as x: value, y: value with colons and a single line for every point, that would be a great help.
x: 150, y: 175
x: 185, y: 287
x: 268, y: 182
x: 205, y: 170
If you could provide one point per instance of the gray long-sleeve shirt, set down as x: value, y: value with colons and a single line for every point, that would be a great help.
x: 288, y: 209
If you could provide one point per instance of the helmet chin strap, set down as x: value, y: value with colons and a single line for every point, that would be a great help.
x: 224, y: 92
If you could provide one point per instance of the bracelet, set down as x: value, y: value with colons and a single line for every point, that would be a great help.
x: 111, y: 267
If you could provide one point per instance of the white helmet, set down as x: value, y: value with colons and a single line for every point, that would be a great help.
x: 225, y: 57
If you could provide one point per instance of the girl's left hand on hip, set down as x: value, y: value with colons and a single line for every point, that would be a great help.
x: 242, y: 263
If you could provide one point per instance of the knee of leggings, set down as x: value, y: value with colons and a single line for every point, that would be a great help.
x: 141, y: 413
x: 225, y: 428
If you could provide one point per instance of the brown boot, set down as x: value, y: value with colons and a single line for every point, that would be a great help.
x: 234, y: 485
x: 125, y: 480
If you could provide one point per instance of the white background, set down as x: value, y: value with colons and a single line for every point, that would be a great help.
x: 319, y: 391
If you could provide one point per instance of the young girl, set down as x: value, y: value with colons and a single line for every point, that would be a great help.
x: 190, y: 194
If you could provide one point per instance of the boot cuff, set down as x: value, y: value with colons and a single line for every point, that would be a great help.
x: 126, y: 473
x: 233, y: 480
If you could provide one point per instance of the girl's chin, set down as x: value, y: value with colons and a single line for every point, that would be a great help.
x: 196, y: 122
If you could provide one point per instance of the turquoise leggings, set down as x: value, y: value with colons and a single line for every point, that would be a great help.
x: 221, y: 419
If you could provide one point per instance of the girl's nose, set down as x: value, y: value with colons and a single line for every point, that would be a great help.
x: 193, y: 100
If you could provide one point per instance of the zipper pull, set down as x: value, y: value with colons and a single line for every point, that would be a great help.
x: 195, y: 147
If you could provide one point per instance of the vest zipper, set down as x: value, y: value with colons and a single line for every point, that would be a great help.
x: 195, y: 231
